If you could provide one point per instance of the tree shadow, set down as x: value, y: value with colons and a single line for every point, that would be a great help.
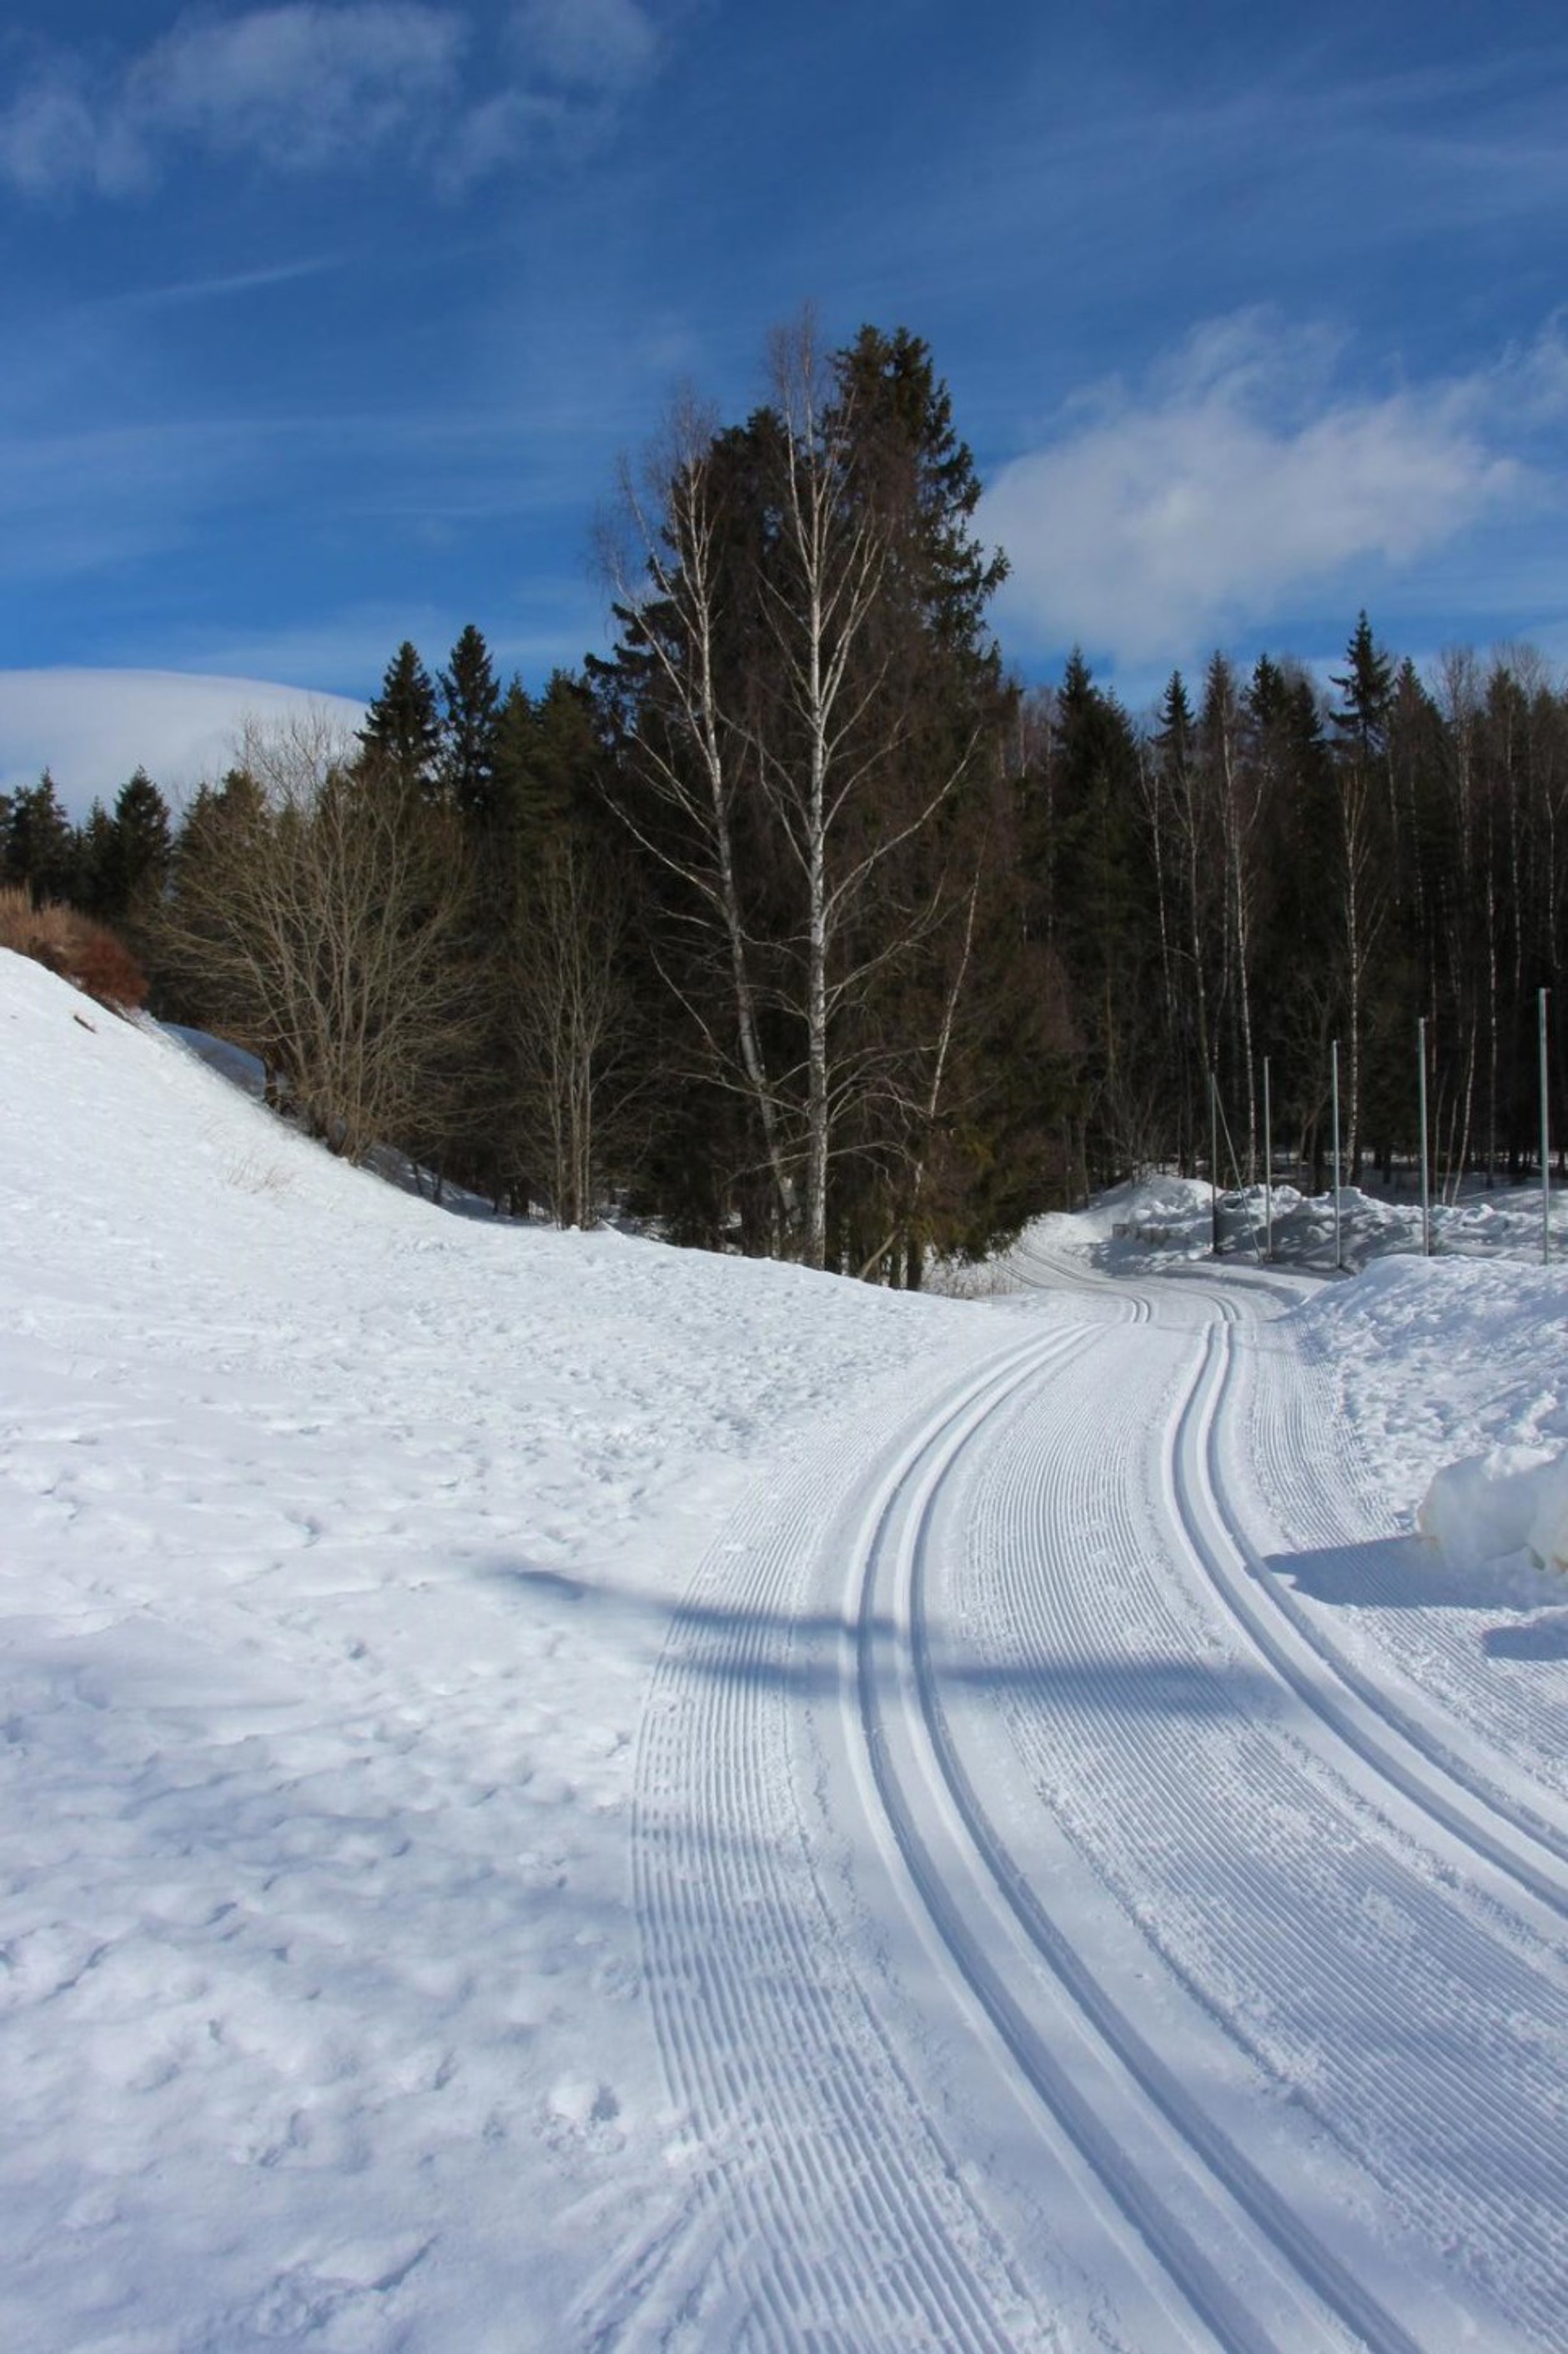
x: 813, y: 1654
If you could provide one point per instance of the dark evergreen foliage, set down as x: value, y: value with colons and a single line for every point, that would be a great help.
x: 41, y: 847
x: 470, y: 702
x: 402, y: 733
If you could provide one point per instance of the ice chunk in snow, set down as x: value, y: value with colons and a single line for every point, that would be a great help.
x: 1548, y: 1538
x: 1511, y: 1500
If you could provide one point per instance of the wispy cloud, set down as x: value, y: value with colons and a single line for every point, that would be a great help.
x: 1152, y: 522
x: 312, y: 85
x: 183, y: 293
x: 302, y: 86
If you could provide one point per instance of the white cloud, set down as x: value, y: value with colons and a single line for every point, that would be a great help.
x: 1152, y: 525
x: 310, y: 84
x: 298, y: 86
x: 93, y: 727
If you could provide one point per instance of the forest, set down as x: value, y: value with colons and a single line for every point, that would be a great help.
x: 796, y: 925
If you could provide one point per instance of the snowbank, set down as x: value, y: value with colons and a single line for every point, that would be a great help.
x: 1168, y: 1221
x: 1439, y: 1359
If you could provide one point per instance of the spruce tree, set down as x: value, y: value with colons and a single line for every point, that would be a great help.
x: 1367, y: 686
x: 96, y: 861
x: 40, y: 843
x: 402, y: 733
x: 470, y: 701
x: 141, y: 848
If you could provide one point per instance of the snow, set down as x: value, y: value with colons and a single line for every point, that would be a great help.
x: 557, y: 1792
x: 339, y: 1538
x: 1166, y: 1221
x: 1486, y: 1506
x: 1435, y: 1361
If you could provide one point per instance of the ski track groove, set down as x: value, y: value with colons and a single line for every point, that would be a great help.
x: 788, y: 2079
x: 1187, y: 2266
x: 1249, y: 1909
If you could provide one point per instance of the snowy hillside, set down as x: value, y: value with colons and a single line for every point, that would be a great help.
x: 339, y: 1540
x: 558, y: 1792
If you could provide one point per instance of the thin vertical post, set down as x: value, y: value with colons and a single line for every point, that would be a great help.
x: 1268, y: 1168
x: 1214, y: 1165
x: 1339, y: 1254
x: 1545, y: 1144
x: 1425, y: 1166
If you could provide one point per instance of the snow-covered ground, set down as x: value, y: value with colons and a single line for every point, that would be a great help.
x: 554, y: 1792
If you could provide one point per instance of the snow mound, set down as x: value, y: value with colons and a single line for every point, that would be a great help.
x: 1512, y: 1499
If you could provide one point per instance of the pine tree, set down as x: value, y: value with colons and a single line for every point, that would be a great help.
x: 470, y: 701
x: 140, y: 848
x: 1367, y: 686
x: 97, y: 860
x: 1369, y: 852
x: 40, y: 843
x: 402, y: 733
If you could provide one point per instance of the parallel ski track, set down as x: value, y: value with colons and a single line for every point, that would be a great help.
x: 1302, y: 1946
x: 1190, y: 2265
x: 1519, y: 1716
x: 842, y: 2223
x: 1532, y: 1849
x: 797, y: 2093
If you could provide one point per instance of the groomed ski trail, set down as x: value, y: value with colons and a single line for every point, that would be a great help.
x: 1002, y: 2013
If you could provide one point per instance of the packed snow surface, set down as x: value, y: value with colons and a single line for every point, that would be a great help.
x: 555, y: 1792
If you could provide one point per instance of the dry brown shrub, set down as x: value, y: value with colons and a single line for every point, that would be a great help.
x: 15, y: 917
x: 74, y: 946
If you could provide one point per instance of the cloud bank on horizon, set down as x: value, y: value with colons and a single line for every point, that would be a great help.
x: 91, y: 728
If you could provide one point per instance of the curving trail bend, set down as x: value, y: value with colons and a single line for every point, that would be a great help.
x: 1051, y: 1943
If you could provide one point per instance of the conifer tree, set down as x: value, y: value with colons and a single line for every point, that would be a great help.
x: 41, y: 847
x: 1367, y: 686
x: 140, y: 847
x: 96, y: 847
x: 401, y: 734
x: 470, y: 702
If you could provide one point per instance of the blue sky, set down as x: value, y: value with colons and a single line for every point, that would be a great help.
x: 326, y: 323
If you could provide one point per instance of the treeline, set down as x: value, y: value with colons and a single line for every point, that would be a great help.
x: 794, y: 925
x: 1265, y: 868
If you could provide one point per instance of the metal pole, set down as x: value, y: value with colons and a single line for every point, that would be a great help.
x: 1213, y: 1166
x: 1545, y: 1145
x: 1339, y: 1256
x: 1426, y: 1170
x: 1268, y: 1168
